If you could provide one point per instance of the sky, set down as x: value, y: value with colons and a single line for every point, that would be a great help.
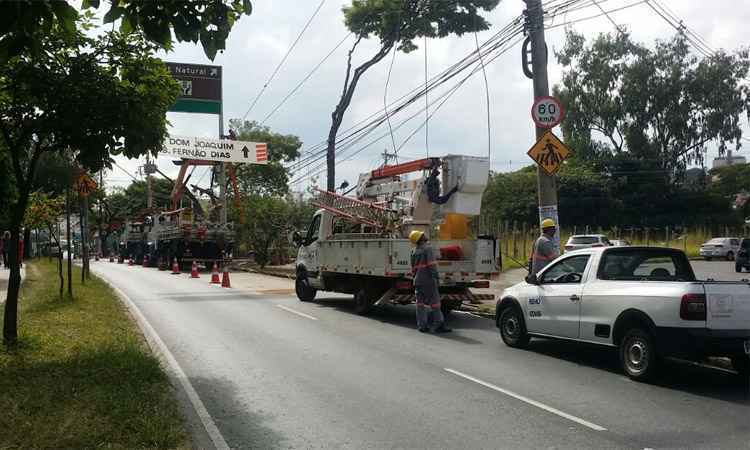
x: 258, y: 43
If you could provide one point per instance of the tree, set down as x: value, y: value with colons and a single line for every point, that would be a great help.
x: 82, y: 97
x: 128, y: 202
x: 24, y: 22
x: 266, y: 225
x: 628, y: 104
x: 43, y: 213
x: 398, y: 23
x: 271, y: 178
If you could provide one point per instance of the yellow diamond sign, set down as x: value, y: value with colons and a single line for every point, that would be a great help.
x: 549, y: 152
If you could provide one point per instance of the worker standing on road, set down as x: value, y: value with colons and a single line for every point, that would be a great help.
x: 425, y: 273
x: 544, y: 247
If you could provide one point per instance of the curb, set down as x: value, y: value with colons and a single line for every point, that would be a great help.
x: 175, y: 371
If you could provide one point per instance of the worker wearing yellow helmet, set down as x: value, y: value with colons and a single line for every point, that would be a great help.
x: 424, y: 269
x: 545, y: 249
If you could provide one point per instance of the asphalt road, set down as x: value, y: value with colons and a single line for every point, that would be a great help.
x: 277, y: 373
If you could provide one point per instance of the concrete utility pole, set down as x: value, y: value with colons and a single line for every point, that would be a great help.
x: 546, y: 184
x: 149, y: 183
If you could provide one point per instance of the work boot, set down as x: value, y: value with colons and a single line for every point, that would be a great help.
x: 442, y: 329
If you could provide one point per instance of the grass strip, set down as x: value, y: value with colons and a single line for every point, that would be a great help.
x: 82, y: 376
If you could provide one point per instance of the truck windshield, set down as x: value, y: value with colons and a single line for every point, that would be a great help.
x: 645, y: 264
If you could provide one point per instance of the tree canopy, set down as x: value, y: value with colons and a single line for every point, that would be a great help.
x: 23, y: 22
x: 658, y: 106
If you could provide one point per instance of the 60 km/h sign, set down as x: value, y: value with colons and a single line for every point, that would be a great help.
x: 547, y: 112
x: 221, y: 150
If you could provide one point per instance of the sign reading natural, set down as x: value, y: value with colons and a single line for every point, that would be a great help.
x: 201, y: 88
x: 221, y: 150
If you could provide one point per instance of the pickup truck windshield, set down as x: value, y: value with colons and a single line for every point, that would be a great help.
x: 645, y: 264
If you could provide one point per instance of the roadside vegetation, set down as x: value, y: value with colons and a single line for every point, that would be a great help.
x: 81, y: 375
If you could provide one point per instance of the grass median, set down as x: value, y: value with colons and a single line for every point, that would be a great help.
x: 82, y: 375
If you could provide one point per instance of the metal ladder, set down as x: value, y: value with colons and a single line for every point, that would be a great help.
x: 355, y: 211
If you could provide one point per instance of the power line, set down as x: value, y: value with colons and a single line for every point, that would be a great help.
x: 614, y: 24
x: 281, y: 63
x: 307, y: 77
x: 124, y: 170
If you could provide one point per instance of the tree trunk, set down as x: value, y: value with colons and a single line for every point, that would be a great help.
x: 70, y: 251
x: 10, y: 320
x: 337, y: 116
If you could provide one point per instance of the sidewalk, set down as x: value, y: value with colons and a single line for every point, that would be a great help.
x: 4, y: 276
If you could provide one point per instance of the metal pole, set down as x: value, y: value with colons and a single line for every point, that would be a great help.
x: 546, y: 184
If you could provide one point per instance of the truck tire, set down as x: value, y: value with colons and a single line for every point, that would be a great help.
x: 741, y: 364
x: 738, y: 268
x: 305, y: 292
x: 362, y: 302
x: 638, y: 354
x: 730, y: 256
x: 513, y: 328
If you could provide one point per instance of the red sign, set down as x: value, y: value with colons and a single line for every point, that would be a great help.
x: 547, y: 112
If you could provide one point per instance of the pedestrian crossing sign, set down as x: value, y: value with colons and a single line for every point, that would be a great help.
x: 549, y: 152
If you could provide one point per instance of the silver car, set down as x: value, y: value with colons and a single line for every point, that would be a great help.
x: 720, y: 247
x: 579, y: 241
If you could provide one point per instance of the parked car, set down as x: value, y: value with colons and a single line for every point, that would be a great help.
x: 742, y: 260
x: 720, y: 247
x: 579, y: 241
x: 643, y: 301
x: 620, y: 243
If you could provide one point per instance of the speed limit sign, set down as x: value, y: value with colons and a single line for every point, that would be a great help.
x: 547, y: 112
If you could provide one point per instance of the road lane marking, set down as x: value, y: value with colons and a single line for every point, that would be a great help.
x: 158, y: 345
x: 531, y: 402
x: 296, y: 312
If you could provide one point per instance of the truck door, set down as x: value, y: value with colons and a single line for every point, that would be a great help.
x: 308, y: 252
x: 556, y: 310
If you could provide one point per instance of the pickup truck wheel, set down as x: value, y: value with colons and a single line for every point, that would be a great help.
x: 362, y: 303
x: 305, y: 292
x: 512, y: 328
x: 730, y: 256
x: 738, y: 268
x: 638, y: 354
x: 741, y: 364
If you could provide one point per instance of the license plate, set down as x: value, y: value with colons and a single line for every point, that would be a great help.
x: 747, y: 347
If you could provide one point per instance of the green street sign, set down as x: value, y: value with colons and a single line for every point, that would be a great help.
x: 200, y: 88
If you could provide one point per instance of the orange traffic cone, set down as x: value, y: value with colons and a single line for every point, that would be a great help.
x: 175, y: 267
x: 145, y: 261
x: 161, y: 264
x: 225, y: 278
x: 215, y: 274
x: 120, y: 259
x: 130, y: 261
x: 111, y: 258
x: 194, y: 270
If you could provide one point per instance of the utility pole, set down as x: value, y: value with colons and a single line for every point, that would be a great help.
x: 546, y: 184
x: 148, y: 169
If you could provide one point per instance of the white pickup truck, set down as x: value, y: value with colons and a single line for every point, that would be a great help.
x: 646, y: 302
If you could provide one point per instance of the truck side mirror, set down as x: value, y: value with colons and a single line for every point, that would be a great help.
x: 532, y: 279
x: 297, y: 238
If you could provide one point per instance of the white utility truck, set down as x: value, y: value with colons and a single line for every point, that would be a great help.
x: 359, y: 245
x: 644, y: 301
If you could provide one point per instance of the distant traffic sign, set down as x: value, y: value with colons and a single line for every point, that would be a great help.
x: 221, y: 150
x: 549, y: 152
x: 200, y: 88
x: 85, y: 185
x: 547, y: 112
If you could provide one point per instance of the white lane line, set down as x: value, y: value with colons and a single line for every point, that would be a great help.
x: 296, y: 312
x: 531, y: 402
x: 158, y: 345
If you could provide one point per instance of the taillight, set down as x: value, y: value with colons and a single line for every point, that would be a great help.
x: 403, y: 285
x: 482, y: 284
x: 693, y: 307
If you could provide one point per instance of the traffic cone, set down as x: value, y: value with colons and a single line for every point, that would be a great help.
x: 161, y: 264
x: 130, y: 261
x: 111, y: 258
x: 215, y: 274
x: 225, y: 278
x: 175, y: 267
x: 119, y: 259
x: 194, y: 270
x: 145, y: 261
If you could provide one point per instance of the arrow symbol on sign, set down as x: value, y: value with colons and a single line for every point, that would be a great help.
x: 245, y: 151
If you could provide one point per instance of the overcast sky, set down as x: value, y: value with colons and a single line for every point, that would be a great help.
x: 258, y: 43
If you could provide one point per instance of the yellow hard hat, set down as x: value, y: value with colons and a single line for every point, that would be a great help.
x: 548, y: 223
x: 415, y: 236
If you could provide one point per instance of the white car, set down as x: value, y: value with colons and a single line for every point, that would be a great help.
x: 619, y: 243
x: 579, y: 241
x: 644, y: 301
x: 720, y: 247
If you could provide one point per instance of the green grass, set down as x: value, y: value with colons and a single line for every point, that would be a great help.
x: 81, y: 375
